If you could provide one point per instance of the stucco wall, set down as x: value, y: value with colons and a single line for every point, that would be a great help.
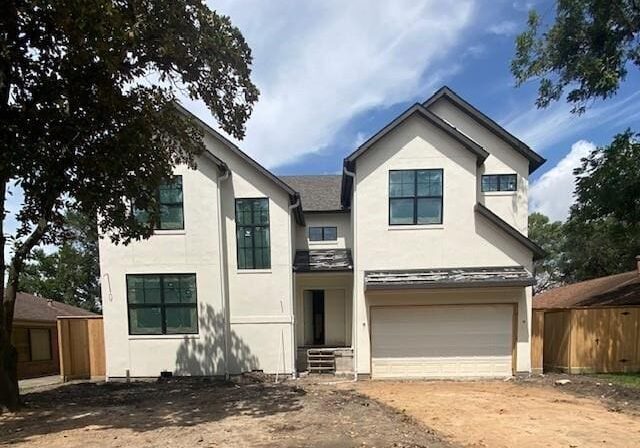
x: 463, y: 240
x: 260, y: 302
x: 503, y: 159
x: 325, y: 281
x: 340, y: 220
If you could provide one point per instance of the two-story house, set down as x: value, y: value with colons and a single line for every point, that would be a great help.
x: 414, y: 262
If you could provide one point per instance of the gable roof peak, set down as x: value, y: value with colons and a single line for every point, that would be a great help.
x: 535, y: 159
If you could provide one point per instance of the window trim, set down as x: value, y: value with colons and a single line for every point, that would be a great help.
x: 323, y: 238
x: 253, y: 247
x: 415, y: 198
x: 499, y: 176
x: 163, y: 321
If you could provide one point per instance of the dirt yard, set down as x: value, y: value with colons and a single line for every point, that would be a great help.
x: 205, y: 414
x: 527, y: 413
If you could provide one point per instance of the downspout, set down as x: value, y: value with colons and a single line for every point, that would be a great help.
x: 354, y: 292
x: 223, y: 273
x: 292, y: 292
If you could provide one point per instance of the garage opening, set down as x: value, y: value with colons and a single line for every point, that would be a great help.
x: 461, y: 341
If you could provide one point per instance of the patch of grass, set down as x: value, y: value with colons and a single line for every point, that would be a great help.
x: 621, y: 379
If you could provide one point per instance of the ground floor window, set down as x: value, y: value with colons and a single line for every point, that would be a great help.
x: 162, y: 304
x: 32, y: 344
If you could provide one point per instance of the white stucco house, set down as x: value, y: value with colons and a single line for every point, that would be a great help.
x: 413, y: 263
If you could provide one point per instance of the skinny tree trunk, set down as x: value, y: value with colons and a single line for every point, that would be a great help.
x: 9, y: 392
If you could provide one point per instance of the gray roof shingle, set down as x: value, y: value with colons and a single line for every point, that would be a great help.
x: 448, y: 278
x: 319, y: 193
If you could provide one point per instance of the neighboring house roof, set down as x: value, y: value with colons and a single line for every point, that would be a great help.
x: 613, y: 290
x: 538, y: 252
x: 535, y: 159
x: 33, y: 308
x: 318, y: 193
x: 323, y: 260
x: 448, y: 278
x: 293, y: 194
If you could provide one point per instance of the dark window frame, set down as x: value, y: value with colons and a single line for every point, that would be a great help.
x: 253, y: 226
x: 158, y: 225
x: 415, y: 198
x: 323, y: 237
x: 162, y: 305
x: 500, y: 180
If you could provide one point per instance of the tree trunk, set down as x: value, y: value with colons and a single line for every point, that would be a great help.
x: 9, y: 392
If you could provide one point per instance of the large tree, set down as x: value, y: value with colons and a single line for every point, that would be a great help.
x: 587, y: 50
x: 603, y: 228
x: 550, y: 236
x: 71, y: 272
x: 84, y: 128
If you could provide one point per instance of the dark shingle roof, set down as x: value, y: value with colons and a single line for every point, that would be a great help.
x: 613, y: 290
x: 34, y: 308
x: 318, y: 192
x: 448, y: 278
x: 323, y: 260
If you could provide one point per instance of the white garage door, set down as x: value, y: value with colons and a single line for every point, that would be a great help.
x: 441, y: 341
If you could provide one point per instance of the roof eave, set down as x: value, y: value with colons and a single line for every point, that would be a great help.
x: 537, y: 251
x: 535, y: 159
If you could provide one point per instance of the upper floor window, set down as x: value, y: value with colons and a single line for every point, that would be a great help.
x: 323, y: 233
x: 171, y: 206
x: 252, y: 233
x: 499, y: 182
x: 162, y: 304
x: 415, y: 197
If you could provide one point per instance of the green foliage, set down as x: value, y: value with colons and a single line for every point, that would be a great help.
x: 603, y: 229
x: 550, y: 236
x: 88, y: 120
x: 70, y: 274
x: 588, y: 50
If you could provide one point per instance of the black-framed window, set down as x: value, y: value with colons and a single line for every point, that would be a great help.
x: 170, y: 198
x: 162, y: 303
x: 327, y: 233
x: 499, y: 182
x: 415, y: 197
x: 252, y: 233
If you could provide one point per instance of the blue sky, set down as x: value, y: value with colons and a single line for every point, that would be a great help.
x: 332, y: 73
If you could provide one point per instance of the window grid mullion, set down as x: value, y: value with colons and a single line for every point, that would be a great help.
x: 163, y: 322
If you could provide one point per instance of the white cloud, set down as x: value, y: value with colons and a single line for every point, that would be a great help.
x: 552, y: 193
x: 320, y: 63
x: 504, y: 28
x: 542, y: 128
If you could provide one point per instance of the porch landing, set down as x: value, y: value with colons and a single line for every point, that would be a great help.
x: 337, y: 360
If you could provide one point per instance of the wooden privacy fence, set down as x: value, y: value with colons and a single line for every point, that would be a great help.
x: 81, y: 341
x: 586, y: 340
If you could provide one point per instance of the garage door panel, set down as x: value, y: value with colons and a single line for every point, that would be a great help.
x: 442, y: 341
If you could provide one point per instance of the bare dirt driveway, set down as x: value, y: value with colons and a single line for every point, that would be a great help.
x: 198, y: 413
x: 511, y: 414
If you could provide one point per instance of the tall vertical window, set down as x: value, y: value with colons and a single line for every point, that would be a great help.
x: 162, y: 304
x: 252, y: 233
x: 415, y: 197
x: 170, y: 198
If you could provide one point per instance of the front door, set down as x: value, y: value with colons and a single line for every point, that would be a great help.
x: 314, y: 319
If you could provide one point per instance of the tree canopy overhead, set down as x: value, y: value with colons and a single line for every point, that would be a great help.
x: 85, y: 127
x: 588, y: 50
